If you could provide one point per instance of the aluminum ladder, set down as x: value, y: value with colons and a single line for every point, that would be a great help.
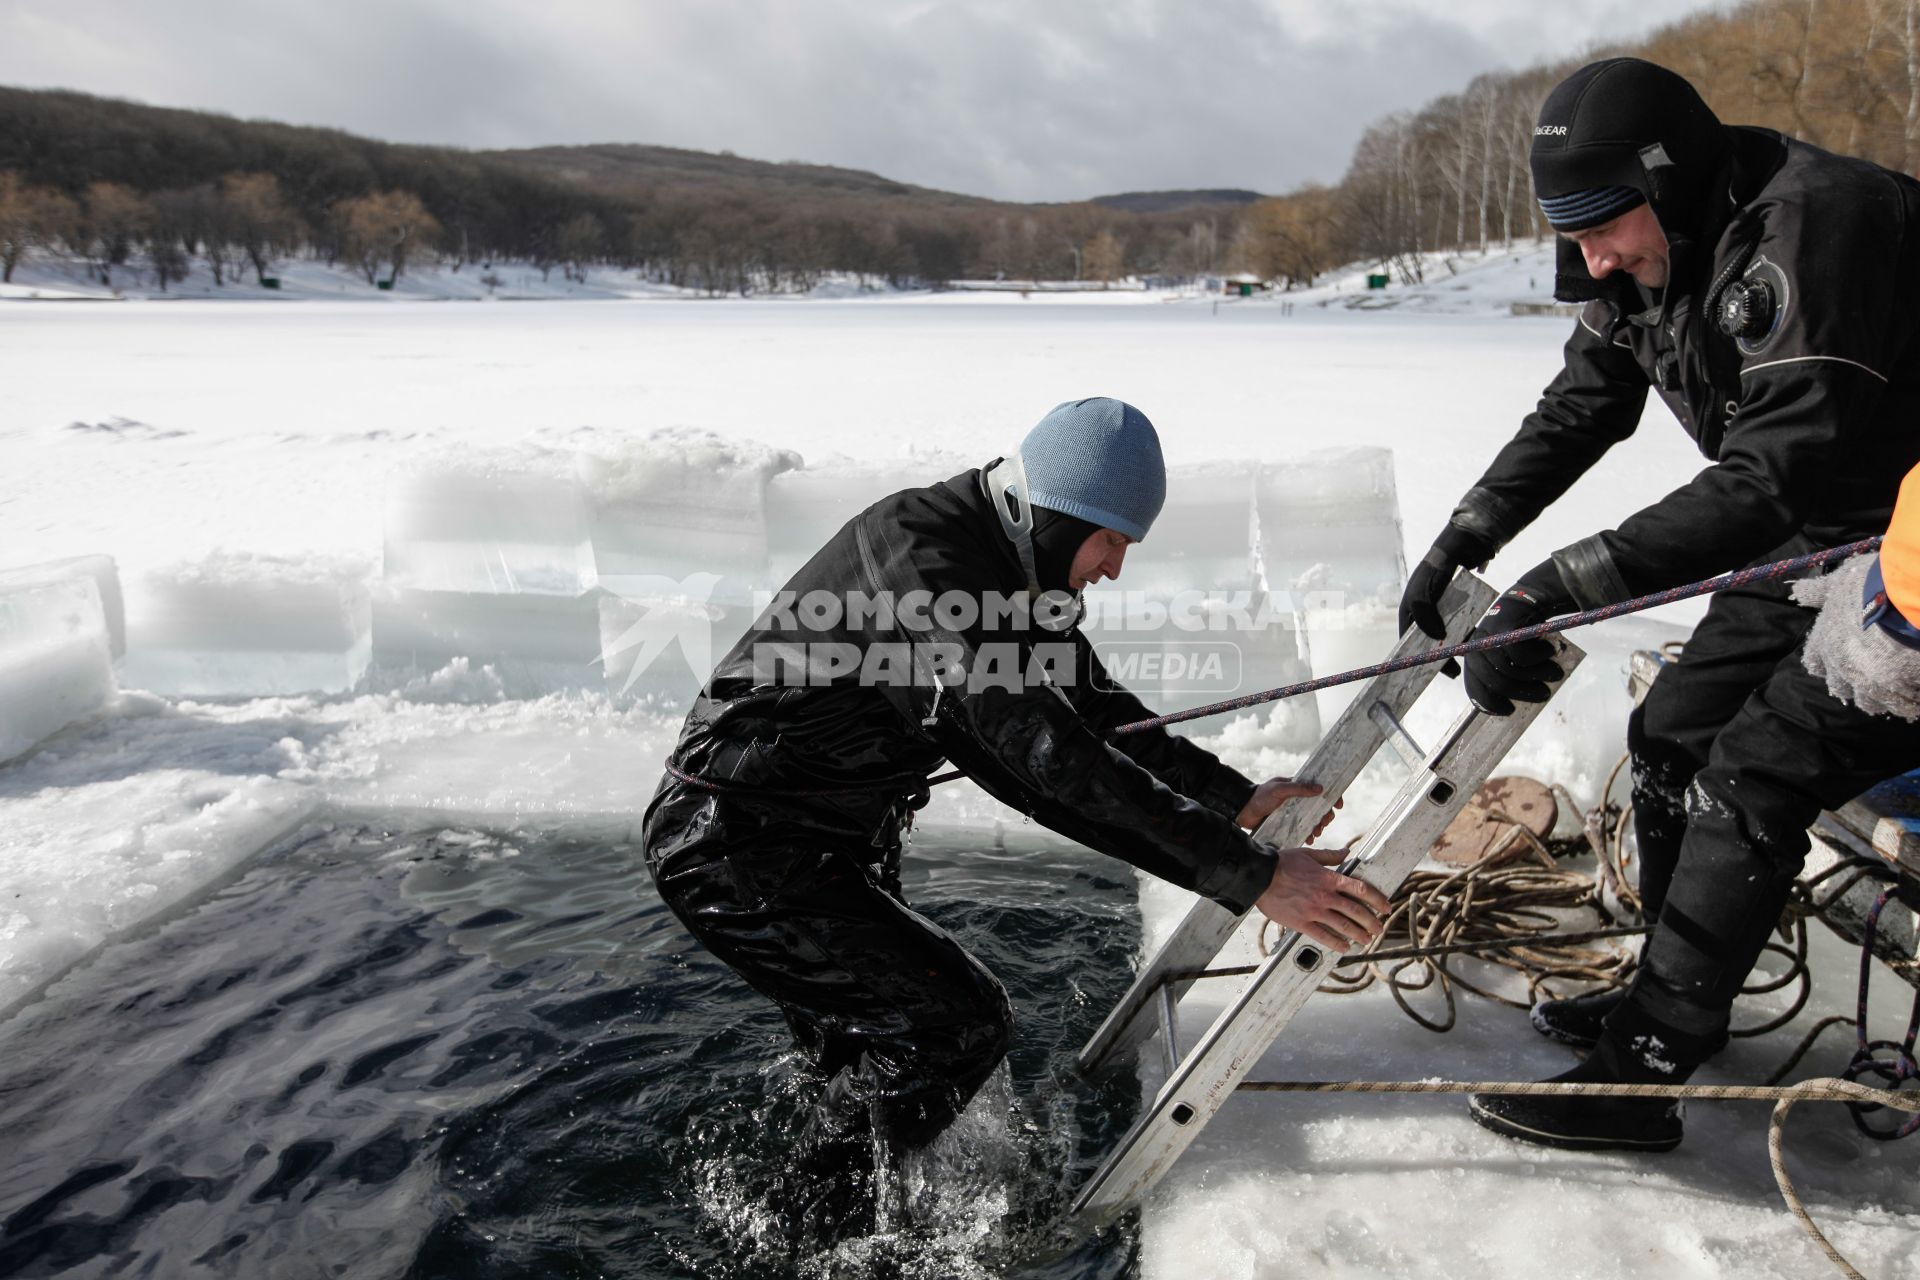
x: 1441, y: 783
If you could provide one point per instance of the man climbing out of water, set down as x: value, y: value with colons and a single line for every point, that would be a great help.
x: 939, y: 624
x: 1767, y: 290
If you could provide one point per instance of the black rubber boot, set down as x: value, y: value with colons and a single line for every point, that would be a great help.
x: 1578, y: 1020
x: 825, y: 1193
x: 1632, y: 1049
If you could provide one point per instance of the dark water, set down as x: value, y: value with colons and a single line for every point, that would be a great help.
x: 460, y: 1054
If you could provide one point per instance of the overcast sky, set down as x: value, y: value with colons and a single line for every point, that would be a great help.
x: 1018, y: 99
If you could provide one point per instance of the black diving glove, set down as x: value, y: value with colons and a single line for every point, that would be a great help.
x: 1454, y: 549
x: 1519, y: 672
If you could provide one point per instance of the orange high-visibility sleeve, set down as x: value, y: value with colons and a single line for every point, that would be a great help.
x: 1900, y: 553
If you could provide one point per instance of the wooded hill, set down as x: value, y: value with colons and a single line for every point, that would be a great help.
x: 127, y: 185
x: 132, y: 187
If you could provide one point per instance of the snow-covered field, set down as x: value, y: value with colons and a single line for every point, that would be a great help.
x: 207, y: 446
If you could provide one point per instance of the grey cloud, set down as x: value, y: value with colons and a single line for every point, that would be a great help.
x: 1030, y: 101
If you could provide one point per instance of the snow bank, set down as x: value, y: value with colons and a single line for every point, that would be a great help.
x: 1489, y: 280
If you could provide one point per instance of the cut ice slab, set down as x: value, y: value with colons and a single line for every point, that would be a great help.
x: 249, y: 626
x: 536, y: 644
x: 488, y: 530
x: 1180, y: 651
x: 1345, y: 636
x: 1329, y: 542
x: 676, y: 504
x: 56, y: 661
x: 106, y: 578
x: 808, y: 506
x: 1203, y: 538
x: 664, y: 642
x: 87, y: 862
x: 1330, y: 522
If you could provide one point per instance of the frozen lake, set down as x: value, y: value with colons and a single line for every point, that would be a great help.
x: 160, y: 433
x: 286, y: 412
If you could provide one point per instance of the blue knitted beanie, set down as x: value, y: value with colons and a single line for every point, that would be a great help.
x: 1097, y: 459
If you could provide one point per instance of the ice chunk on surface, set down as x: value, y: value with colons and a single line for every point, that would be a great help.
x: 1334, y: 515
x: 1329, y: 538
x: 536, y: 644
x: 56, y: 661
x: 249, y: 625
x: 807, y: 506
x: 513, y: 523
x: 680, y: 502
x: 1187, y: 622
x: 1204, y: 536
x: 106, y: 577
x: 661, y: 638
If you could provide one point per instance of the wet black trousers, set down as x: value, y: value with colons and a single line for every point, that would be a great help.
x: 906, y: 1023
x: 1736, y: 750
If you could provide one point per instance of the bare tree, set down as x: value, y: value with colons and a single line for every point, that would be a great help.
x: 580, y: 241
x: 1912, y: 135
x: 1483, y: 113
x: 1289, y: 237
x: 384, y: 230
x: 259, y: 220
x: 1105, y: 257
x: 18, y: 229
x: 168, y: 259
x: 112, y: 220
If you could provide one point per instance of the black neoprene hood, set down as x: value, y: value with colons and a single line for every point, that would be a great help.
x: 1626, y: 122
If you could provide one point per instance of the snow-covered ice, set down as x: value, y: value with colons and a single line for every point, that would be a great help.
x: 318, y: 443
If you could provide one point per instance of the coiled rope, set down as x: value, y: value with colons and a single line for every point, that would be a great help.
x: 1502, y: 909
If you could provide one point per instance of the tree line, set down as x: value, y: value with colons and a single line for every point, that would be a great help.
x: 119, y: 185
x: 1841, y: 74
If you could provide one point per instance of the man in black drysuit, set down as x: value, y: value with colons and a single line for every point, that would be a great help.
x: 1768, y: 291
x: 776, y: 835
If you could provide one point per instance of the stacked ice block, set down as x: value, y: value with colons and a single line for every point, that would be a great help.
x: 57, y: 641
x: 680, y: 542
x: 1329, y: 537
x: 488, y: 558
x: 233, y: 625
x: 631, y: 566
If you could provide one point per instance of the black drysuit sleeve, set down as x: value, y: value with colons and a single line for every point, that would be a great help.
x: 1027, y: 745
x: 1591, y: 405
x: 1806, y: 395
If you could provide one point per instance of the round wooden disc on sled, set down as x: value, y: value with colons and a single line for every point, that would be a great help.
x: 1475, y: 829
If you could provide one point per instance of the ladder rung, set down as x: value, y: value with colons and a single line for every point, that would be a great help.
x: 1397, y: 736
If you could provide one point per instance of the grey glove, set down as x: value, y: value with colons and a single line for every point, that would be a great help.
x: 1861, y: 664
